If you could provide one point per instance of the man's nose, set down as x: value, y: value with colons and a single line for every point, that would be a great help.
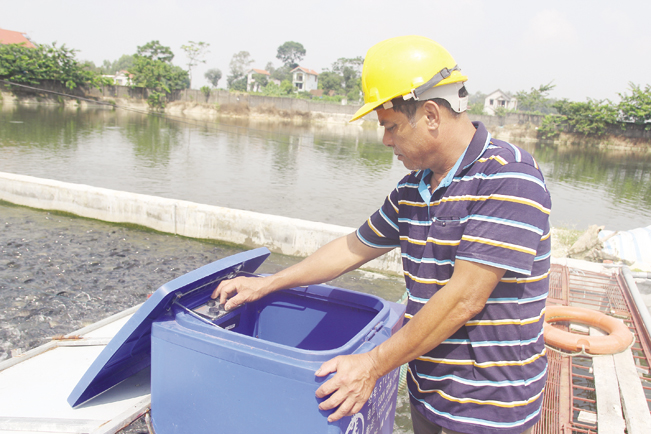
x: 387, y: 140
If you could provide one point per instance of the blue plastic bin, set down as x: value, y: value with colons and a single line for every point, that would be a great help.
x: 250, y: 370
x: 258, y: 377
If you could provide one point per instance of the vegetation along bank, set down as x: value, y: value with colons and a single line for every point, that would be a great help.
x: 155, y: 83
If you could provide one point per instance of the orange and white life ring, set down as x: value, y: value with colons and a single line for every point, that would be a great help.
x: 618, y: 339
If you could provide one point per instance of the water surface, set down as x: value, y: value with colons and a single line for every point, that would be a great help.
x: 335, y: 174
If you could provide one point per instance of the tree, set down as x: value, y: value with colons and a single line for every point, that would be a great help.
x: 261, y: 80
x: 155, y: 51
x: 350, y: 70
x: 592, y: 117
x: 330, y: 82
x: 290, y: 53
x: 476, y: 108
x: 213, y: 75
x: 152, y: 69
x: 536, y: 100
x: 477, y: 97
x: 271, y: 89
x: 195, y: 51
x: 46, y: 62
x: 206, y: 91
x: 281, y: 74
x: 158, y: 75
x: 238, y: 84
x: 122, y: 64
x: 637, y: 106
x: 476, y: 103
x: 240, y: 64
x: 270, y: 68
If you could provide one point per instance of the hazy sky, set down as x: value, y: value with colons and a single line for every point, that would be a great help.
x: 588, y: 48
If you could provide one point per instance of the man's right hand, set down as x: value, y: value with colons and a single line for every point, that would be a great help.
x: 235, y: 292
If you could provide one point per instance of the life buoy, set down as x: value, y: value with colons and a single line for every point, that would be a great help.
x: 618, y: 339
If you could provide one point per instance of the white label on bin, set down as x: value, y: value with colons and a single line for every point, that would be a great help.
x: 356, y: 425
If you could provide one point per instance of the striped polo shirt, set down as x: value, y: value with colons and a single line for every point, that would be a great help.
x: 492, y: 208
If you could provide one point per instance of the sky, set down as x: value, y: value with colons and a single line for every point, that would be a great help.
x: 588, y: 49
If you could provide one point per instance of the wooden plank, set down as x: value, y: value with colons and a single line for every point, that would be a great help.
x: 48, y: 425
x: 125, y: 418
x: 565, y: 398
x: 28, y: 355
x: 636, y: 410
x: 34, y: 387
x: 609, y: 409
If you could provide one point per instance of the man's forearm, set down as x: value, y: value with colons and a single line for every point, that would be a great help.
x: 329, y: 262
x: 447, y: 311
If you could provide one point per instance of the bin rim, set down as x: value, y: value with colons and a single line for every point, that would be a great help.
x: 323, y: 291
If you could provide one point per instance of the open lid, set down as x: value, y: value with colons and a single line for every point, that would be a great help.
x: 130, y: 349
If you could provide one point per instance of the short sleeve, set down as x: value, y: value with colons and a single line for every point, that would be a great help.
x: 381, y: 228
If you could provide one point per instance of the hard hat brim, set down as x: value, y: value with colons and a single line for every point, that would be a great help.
x: 365, y: 109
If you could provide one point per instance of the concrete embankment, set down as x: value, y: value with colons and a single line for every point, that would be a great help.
x: 193, y: 103
x: 280, y: 234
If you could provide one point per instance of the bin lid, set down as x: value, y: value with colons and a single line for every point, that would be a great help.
x: 130, y: 349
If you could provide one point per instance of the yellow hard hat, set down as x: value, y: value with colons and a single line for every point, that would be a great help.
x: 407, y: 66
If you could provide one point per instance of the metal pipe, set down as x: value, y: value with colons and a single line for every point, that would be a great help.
x: 637, y: 298
x: 641, y: 274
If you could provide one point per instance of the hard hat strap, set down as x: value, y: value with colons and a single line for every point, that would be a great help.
x: 450, y: 93
x: 438, y: 77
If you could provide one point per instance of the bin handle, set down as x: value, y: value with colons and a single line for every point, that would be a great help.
x: 365, y: 347
x: 194, y: 314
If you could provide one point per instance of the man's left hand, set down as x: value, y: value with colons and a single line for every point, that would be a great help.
x: 350, y: 387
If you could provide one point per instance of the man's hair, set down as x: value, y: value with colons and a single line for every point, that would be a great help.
x: 410, y: 107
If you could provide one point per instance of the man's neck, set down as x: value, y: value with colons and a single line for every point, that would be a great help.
x: 454, y: 139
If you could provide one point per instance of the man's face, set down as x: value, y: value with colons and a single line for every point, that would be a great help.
x: 409, y: 142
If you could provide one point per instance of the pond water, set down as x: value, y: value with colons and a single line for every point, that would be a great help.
x: 58, y: 273
x: 334, y: 174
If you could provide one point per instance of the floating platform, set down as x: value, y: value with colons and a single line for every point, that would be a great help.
x: 591, y: 395
x: 599, y: 394
x: 34, y: 386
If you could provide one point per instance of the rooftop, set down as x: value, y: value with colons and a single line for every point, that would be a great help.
x: 10, y: 37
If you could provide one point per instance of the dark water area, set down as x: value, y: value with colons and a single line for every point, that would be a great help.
x: 336, y: 174
x: 59, y: 273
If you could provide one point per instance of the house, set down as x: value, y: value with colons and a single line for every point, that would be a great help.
x: 251, y: 84
x: 10, y: 37
x: 304, y: 79
x: 121, y: 78
x: 499, y: 99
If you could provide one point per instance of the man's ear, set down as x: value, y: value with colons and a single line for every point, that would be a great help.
x: 432, y: 113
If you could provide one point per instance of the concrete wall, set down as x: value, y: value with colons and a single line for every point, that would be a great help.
x: 218, y: 97
x: 508, y: 119
x: 295, y: 105
x: 280, y: 234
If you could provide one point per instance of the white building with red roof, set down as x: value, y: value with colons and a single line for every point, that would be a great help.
x: 10, y: 37
x: 499, y: 99
x: 304, y: 79
x: 121, y: 78
x: 251, y: 84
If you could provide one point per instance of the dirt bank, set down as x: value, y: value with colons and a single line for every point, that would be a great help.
x: 264, y: 112
x: 320, y: 113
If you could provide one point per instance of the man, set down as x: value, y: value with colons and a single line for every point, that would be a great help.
x: 471, y: 220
